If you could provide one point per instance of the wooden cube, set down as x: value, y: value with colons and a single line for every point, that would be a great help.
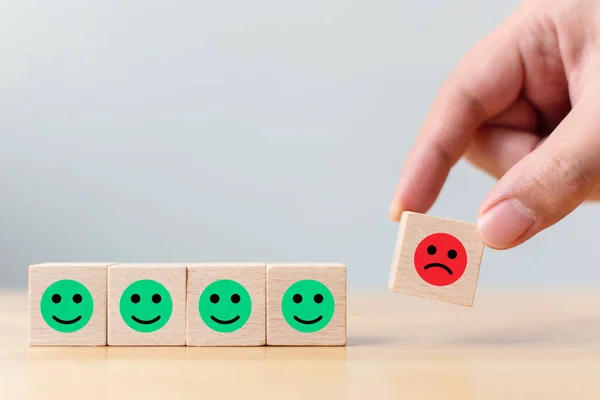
x: 306, y: 305
x: 226, y: 304
x: 146, y: 304
x: 67, y: 304
x: 436, y: 258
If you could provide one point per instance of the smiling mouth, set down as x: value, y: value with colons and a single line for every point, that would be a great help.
x: 308, y: 322
x: 438, y: 265
x: 145, y: 322
x: 224, y: 322
x: 66, y: 322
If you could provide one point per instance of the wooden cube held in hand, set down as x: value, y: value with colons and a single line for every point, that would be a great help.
x: 226, y: 304
x: 67, y: 304
x: 146, y: 304
x: 306, y: 305
x: 436, y: 258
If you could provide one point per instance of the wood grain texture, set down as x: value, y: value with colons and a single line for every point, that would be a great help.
x: 252, y: 277
x: 279, y: 278
x: 404, y: 278
x: 91, y: 275
x: 171, y: 276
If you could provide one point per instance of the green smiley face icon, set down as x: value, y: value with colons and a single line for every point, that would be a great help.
x: 225, y: 306
x: 308, y: 306
x: 67, y: 306
x: 146, y: 306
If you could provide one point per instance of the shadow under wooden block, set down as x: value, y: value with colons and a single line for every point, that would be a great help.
x: 146, y: 304
x: 67, y: 304
x: 436, y: 258
x: 306, y: 305
x: 226, y: 304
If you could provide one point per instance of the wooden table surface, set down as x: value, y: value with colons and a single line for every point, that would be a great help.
x: 510, y: 345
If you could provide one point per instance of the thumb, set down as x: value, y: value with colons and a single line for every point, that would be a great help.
x: 546, y: 185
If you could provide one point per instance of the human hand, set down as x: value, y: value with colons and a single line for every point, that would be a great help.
x: 524, y: 107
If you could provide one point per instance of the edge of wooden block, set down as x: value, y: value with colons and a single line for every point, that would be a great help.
x: 397, y: 247
x: 149, y: 265
x: 226, y: 264
x: 306, y: 265
x: 72, y: 264
x: 411, y: 214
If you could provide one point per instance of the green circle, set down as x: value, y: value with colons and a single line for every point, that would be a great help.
x: 67, y: 306
x: 146, y: 306
x: 225, y: 306
x: 308, y: 306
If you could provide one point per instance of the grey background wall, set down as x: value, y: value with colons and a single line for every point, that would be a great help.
x: 237, y: 130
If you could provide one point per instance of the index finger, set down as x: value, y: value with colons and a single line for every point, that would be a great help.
x: 485, y: 83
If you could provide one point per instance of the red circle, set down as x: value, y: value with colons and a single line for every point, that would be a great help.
x: 440, y: 259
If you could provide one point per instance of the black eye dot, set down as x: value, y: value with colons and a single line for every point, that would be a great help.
x: 156, y: 298
x: 297, y: 298
x: 452, y: 254
x: 56, y: 298
x: 431, y: 250
x: 214, y: 298
x: 318, y: 298
x: 135, y: 298
x: 77, y: 298
x: 235, y: 298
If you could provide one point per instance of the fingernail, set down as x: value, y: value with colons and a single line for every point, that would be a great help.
x: 395, y: 211
x: 506, y: 222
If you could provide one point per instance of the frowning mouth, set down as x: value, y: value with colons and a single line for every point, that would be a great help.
x: 308, y: 322
x: 224, y: 321
x: 66, y: 322
x: 438, y: 265
x: 145, y: 322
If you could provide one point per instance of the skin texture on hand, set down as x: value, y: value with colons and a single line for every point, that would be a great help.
x: 522, y: 106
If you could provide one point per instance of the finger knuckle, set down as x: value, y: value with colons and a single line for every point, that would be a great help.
x: 558, y: 184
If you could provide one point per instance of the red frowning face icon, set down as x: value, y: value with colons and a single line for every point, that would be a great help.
x: 440, y: 259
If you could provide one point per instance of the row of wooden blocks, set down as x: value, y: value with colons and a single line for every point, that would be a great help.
x: 205, y: 304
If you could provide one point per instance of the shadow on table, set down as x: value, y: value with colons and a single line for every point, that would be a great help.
x: 363, y: 341
x: 572, y: 333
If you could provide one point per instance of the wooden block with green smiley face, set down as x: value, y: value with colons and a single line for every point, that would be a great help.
x: 146, y: 304
x: 306, y: 304
x: 226, y: 304
x: 67, y: 304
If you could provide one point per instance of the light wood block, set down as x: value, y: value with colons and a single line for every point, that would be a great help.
x: 226, y: 304
x: 146, y: 304
x: 67, y: 304
x: 436, y: 258
x: 306, y: 305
